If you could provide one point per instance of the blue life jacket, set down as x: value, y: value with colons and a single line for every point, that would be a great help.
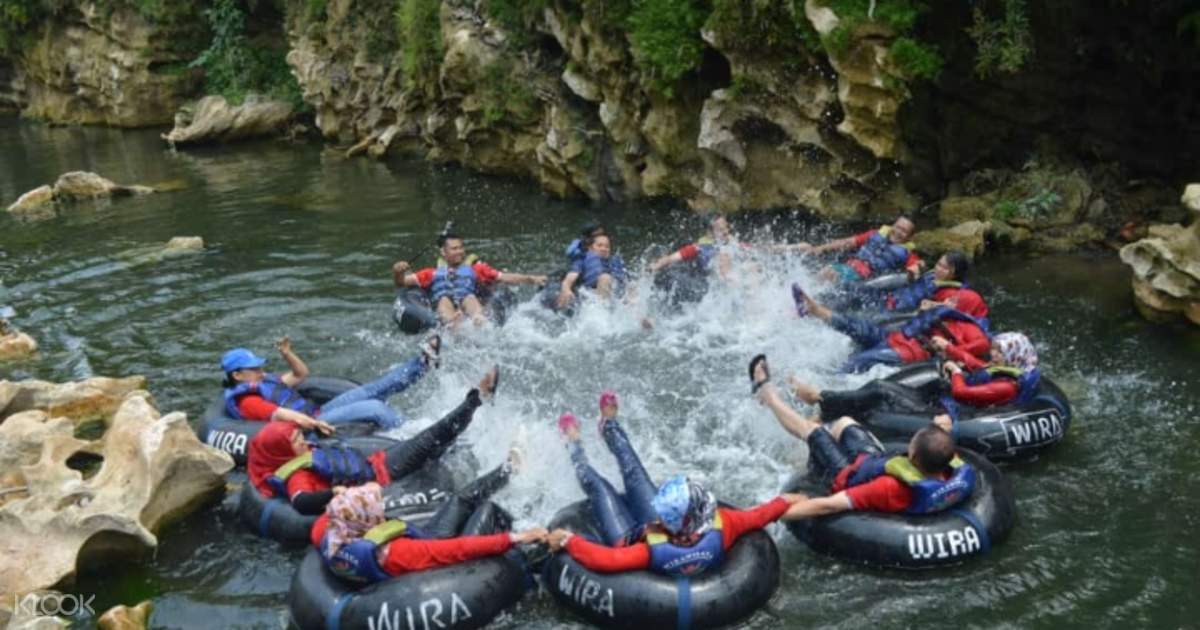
x: 271, y: 388
x: 593, y: 266
x: 707, y: 251
x: 358, y: 560
x: 1027, y: 380
x: 671, y: 559
x: 881, y: 254
x: 925, y: 320
x: 928, y: 495
x: 909, y: 297
x: 339, y: 465
x: 453, y: 282
x: 575, y: 250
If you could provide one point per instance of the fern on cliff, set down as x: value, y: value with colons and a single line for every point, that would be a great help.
x: 666, y: 39
x: 234, y: 67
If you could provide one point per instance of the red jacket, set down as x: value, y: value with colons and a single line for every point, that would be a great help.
x: 968, y: 344
x: 305, y: 480
x: 734, y: 523
x: 997, y: 392
x: 405, y: 555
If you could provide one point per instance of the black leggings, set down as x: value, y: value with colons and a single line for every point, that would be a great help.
x: 410, y: 455
x: 467, y: 512
x: 858, y: 403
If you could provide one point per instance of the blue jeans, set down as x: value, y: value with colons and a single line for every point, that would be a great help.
x: 619, y: 517
x: 368, y: 403
x: 868, y: 335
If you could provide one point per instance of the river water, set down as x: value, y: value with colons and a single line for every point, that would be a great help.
x: 300, y: 242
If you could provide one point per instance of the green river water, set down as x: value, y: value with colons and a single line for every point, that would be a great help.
x: 300, y: 242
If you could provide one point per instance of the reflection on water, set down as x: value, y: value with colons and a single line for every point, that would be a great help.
x: 300, y: 242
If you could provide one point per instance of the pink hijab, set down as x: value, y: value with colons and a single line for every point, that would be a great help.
x: 353, y: 512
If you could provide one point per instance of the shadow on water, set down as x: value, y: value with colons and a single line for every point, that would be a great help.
x: 300, y: 242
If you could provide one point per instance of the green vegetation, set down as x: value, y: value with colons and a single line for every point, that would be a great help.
x: 666, y: 39
x: 916, y: 59
x: 234, y: 66
x: 1038, y: 206
x: 516, y: 17
x: 420, y: 34
x: 16, y: 16
x: 1004, y: 43
x: 314, y: 10
x: 506, y: 96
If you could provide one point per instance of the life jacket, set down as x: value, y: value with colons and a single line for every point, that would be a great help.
x: 453, y: 282
x: 908, y: 297
x: 339, y: 465
x: 881, y: 254
x: 575, y: 250
x: 671, y: 559
x: 271, y: 388
x: 925, y: 321
x: 928, y: 495
x: 1027, y: 380
x: 358, y: 560
x: 707, y: 250
x: 594, y: 266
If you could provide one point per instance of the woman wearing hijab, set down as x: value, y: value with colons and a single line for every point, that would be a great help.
x: 956, y: 329
x: 358, y: 542
x: 282, y: 464
x: 676, y: 529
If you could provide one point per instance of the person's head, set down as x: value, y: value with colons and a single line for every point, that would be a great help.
x: 591, y: 230
x: 274, y: 445
x: 1014, y: 349
x: 931, y: 450
x: 685, y: 509
x: 600, y: 245
x: 453, y: 249
x: 952, y: 266
x: 718, y: 226
x: 902, y: 230
x: 242, y: 366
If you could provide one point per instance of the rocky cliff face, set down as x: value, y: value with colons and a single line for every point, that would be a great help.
x: 767, y: 118
x: 107, y: 66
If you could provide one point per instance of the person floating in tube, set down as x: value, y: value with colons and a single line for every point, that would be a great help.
x: 358, y: 543
x: 949, y: 275
x: 675, y: 529
x: 253, y: 394
x: 928, y: 477
x: 956, y: 330
x: 599, y: 270
x: 1011, y: 376
x: 281, y: 462
x: 711, y: 252
x: 879, y: 251
x: 457, y: 282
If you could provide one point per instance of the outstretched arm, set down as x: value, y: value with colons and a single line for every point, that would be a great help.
x: 666, y: 261
x: 508, y: 277
x: 401, y: 278
x: 818, y: 506
x: 297, y: 369
x: 565, y: 294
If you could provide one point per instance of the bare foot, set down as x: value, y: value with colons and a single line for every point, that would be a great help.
x: 810, y: 394
x: 489, y: 382
x: 515, y: 461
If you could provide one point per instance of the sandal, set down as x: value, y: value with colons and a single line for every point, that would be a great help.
x: 756, y: 385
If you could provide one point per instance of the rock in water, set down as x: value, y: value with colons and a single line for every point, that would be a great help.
x: 1166, y: 267
x: 79, y: 185
x: 33, y: 201
x: 109, y: 495
x: 16, y: 345
x: 213, y: 119
x: 126, y: 618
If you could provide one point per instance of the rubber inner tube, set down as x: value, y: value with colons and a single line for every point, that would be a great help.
x: 460, y: 596
x: 233, y: 436
x: 742, y: 584
x: 912, y: 541
x: 999, y: 432
x: 414, y: 498
x: 413, y: 312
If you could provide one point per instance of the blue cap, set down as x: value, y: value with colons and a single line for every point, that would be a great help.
x: 672, y: 502
x: 240, y: 359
